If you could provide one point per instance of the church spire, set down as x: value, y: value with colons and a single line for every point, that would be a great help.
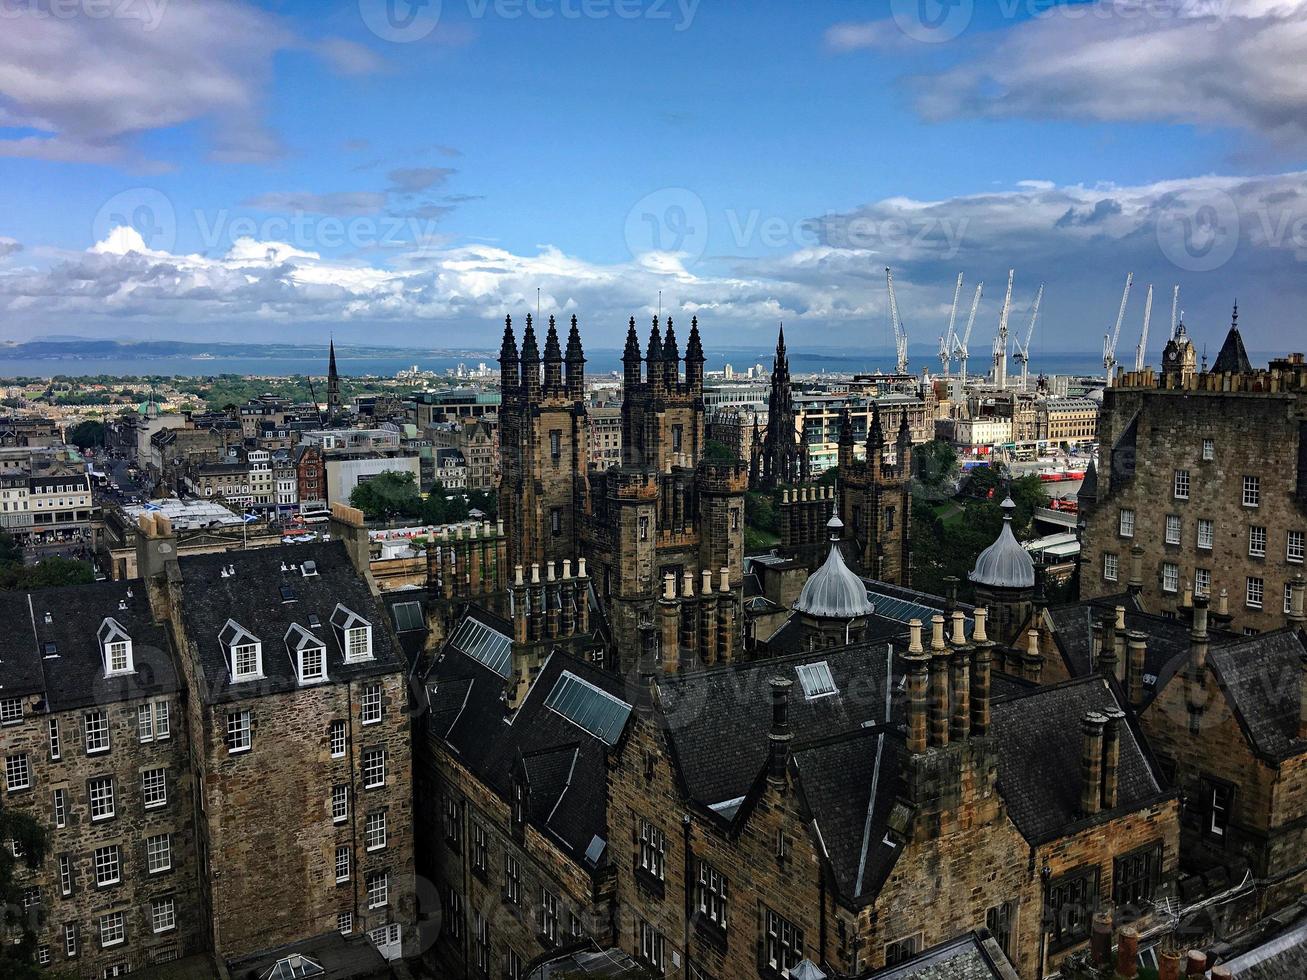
x: 333, y: 380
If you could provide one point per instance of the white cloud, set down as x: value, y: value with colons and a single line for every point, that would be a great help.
x: 340, y: 202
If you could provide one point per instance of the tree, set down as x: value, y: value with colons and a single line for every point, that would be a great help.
x: 17, y: 959
x: 387, y: 496
x: 87, y: 435
x: 714, y: 449
x: 936, y: 464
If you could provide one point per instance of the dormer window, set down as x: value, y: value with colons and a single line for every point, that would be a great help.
x: 115, y: 648
x: 244, y: 651
x: 354, y: 633
x: 308, y: 655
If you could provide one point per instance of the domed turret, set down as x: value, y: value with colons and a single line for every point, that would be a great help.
x: 833, y: 591
x: 1005, y: 564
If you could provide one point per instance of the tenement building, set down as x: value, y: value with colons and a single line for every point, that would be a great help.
x: 665, y: 511
x: 1207, y: 471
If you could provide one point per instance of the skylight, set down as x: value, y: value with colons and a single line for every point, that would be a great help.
x: 484, y: 645
x: 816, y: 680
x: 408, y: 616
x: 588, y: 707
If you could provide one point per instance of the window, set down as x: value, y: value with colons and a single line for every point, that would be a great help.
x: 18, y: 774
x: 1172, y: 528
x: 70, y: 939
x: 345, y: 922
x: 1072, y: 900
x: 239, y: 732
x: 101, y: 793
x: 55, y: 747
x: 336, y: 739
x: 644, y: 528
x: 245, y: 661
x: 1202, y: 581
x: 378, y: 883
x: 60, y: 807
x: 158, y: 853
x: 358, y: 643
x: 313, y: 664
x: 162, y: 729
x: 43, y: 955
x: 784, y: 943
x: 1255, y: 592
x: 1000, y: 921
x: 339, y: 804
x: 145, y: 723
x: 1209, y: 449
x: 1256, y: 542
x: 1206, y: 533
x: 374, y: 834
x: 154, y: 787
x: 374, y: 768
x: 1293, y: 550
x: 163, y: 914
x: 548, y: 916
x: 1252, y: 491
x: 1181, y: 485
x: 1288, y: 598
x: 653, y: 948
x: 65, y: 875
x: 112, y: 929
x: 1111, y: 566
x: 1216, y: 798
x: 901, y: 950
x: 555, y: 444
x: 480, y: 851
x: 1127, y: 523
x: 653, y: 850
x: 1170, y: 577
x: 97, y: 731
x: 107, y: 865
x: 1135, y: 877
x: 120, y: 659
x: 555, y: 521
x: 512, y: 965
x: 11, y: 711
x: 342, y: 864
x: 481, y: 935
x: 370, y: 707
x: 512, y: 879
x: 711, y: 892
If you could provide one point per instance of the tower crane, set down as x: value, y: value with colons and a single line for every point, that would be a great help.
x: 1141, y: 350
x: 1000, y: 339
x: 1110, y: 339
x: 900, y: 335
x: 961, y: 348
x: 1175, y: 312
x: 947, y: 341
x: 1022, y: 355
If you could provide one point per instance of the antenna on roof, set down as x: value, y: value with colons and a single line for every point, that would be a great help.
x: 537, y: 302
x: 660, y: 304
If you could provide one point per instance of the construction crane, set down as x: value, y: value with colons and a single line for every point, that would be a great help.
x: 1022, y: 355
x: 1143, y: 337
x: 1110, y: 339
x: 1000, y: 339
x: 900, y: 335
x: 1175, y: 312
x: 960, y: 350
x: 946, y: 342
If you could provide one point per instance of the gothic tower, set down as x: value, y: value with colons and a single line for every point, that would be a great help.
x: 333, y: 382
x: 876, y: 501
x: 782, y: 462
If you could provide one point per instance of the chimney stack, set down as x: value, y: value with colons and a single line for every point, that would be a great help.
x: 778, y: 739
x: 1135, y: 585
x: 939, y: 700
x: 980, y: 680
x: 1032, y: 662
x: 917, y: 668
x: 1138, y: 658
x: 1198, y: 637
x: 960, y: 726
x: 1112, y: 756
x: 1091, y: 763
x: 1297, y: 595
x: 1107, y: 655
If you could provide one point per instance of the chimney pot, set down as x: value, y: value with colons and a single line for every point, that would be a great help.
x: 1032, y: 643
x: 518, y: 578
x: 1100, y: 939
x: 1221, y: 972
x: 687, y: 585
x: 1168, y: 964
x: 725, y: 580
x: 978, y: 633
x: 535, y: 573
x: 1127, y: 953
x: 914, y: 645
x: 669, y: 586
x: 550, y: 572
x: 567, y: 568
x: 1195, y: 963
x: 706, y: 589
x: 937, y: 632
x: 778, y: 738
x: 959, y: 628
x: 580, y: 568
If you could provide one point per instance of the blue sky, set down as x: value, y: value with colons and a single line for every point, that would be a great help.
x: 243, y: 170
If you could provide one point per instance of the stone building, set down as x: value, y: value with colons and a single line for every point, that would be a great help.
x: 782, y: 460
x: 605, y: 437
x: 858, y: 805
x: 665, y: 511
x: 1068, y: 421
x: 96, y: 749
x: 478, y: 440
x: 1207, y: 471
x: 301, y: 747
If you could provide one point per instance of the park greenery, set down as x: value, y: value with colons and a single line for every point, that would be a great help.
x: 390, y: 497
x: 51, y: 571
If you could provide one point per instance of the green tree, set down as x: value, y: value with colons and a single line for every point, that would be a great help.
x: 46, y: 573
x: 87, y: 435
x: 17, y: 959
x: 714, y: 449
x: 936, y: 464
x: 388, y: 496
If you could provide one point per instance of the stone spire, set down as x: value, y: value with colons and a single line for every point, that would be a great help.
x: 671, y: 357
x: 631, y: 358
x: 875, y: 434
x: 530, y: 361
x: 553, y: 360
x: 333, y: 380
x: 510, y: 371
x: 654, y: 355
x: 575, y: 359
x: 1233, y: 358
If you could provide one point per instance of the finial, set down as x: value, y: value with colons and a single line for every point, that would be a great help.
x: 1234, y: 319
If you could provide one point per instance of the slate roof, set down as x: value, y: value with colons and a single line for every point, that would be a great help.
x: 1261, y: 677
x: 252, y: 597
x: 975, y: 956
x: 1042, y: 788
x: 71, y: 673
x: 341, y: 958
x: 566, y: 767
x: 1281, y: 958
x: 1233, y: 358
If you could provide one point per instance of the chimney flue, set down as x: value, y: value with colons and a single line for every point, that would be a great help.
x: 1091, y: 763
x: 1136, y: 664
x: 1111, y: 756
x: 1297, y: 597
x: 939, y: 683
x: 1198, y: 638
x: 918, y: 665
x: 778, y: 739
